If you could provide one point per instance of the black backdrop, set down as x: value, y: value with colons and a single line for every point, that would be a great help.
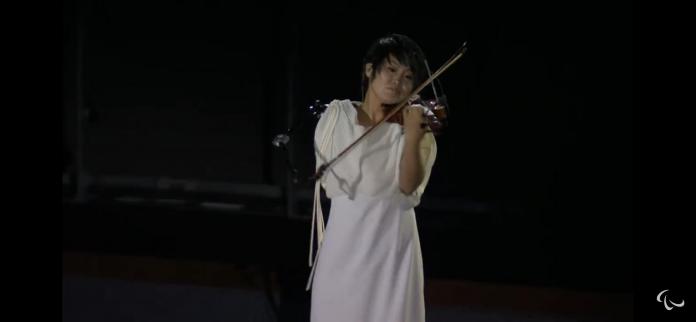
x: 541, y: 126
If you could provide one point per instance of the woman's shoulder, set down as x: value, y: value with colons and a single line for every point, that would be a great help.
x: 345, y: 108
x: 344, y: 105
x: 336, y: 110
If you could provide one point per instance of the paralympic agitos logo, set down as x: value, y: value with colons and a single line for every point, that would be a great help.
x: 664, y: 300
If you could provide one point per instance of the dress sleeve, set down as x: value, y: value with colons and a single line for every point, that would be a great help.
x: 323, y: 136
x: 428, y: 153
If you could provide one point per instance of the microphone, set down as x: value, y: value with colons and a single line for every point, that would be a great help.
x: 281, y: 141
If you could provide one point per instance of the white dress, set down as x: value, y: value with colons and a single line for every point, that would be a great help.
x: 368, y: 265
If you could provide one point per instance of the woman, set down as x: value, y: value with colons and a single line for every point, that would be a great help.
x: 369, y: 265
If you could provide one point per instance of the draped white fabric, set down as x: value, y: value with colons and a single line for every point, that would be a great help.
x: 368, y: 264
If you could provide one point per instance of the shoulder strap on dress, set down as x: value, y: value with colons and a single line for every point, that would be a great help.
x: 317, y: 213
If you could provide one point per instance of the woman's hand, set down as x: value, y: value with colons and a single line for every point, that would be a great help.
x: 415, y: 124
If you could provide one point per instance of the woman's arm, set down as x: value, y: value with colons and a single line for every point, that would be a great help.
x: 411, y: 170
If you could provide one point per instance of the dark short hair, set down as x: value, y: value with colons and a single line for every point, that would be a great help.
x: 404, y: 49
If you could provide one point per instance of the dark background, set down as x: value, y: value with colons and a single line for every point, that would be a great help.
x: 534, y: 180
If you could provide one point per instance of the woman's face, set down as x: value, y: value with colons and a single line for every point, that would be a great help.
x: 392, y: 83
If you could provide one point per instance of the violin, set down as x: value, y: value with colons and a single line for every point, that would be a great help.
x: 434, y: 110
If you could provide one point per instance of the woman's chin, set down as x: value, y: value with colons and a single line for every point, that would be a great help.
x: 391, y: 100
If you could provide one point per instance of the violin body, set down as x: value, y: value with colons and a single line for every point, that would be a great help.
x: 435, y: 112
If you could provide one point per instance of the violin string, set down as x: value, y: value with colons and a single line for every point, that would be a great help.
x: 427, y: 67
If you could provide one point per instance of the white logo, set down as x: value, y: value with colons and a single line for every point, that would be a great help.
x: 664, y: 300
